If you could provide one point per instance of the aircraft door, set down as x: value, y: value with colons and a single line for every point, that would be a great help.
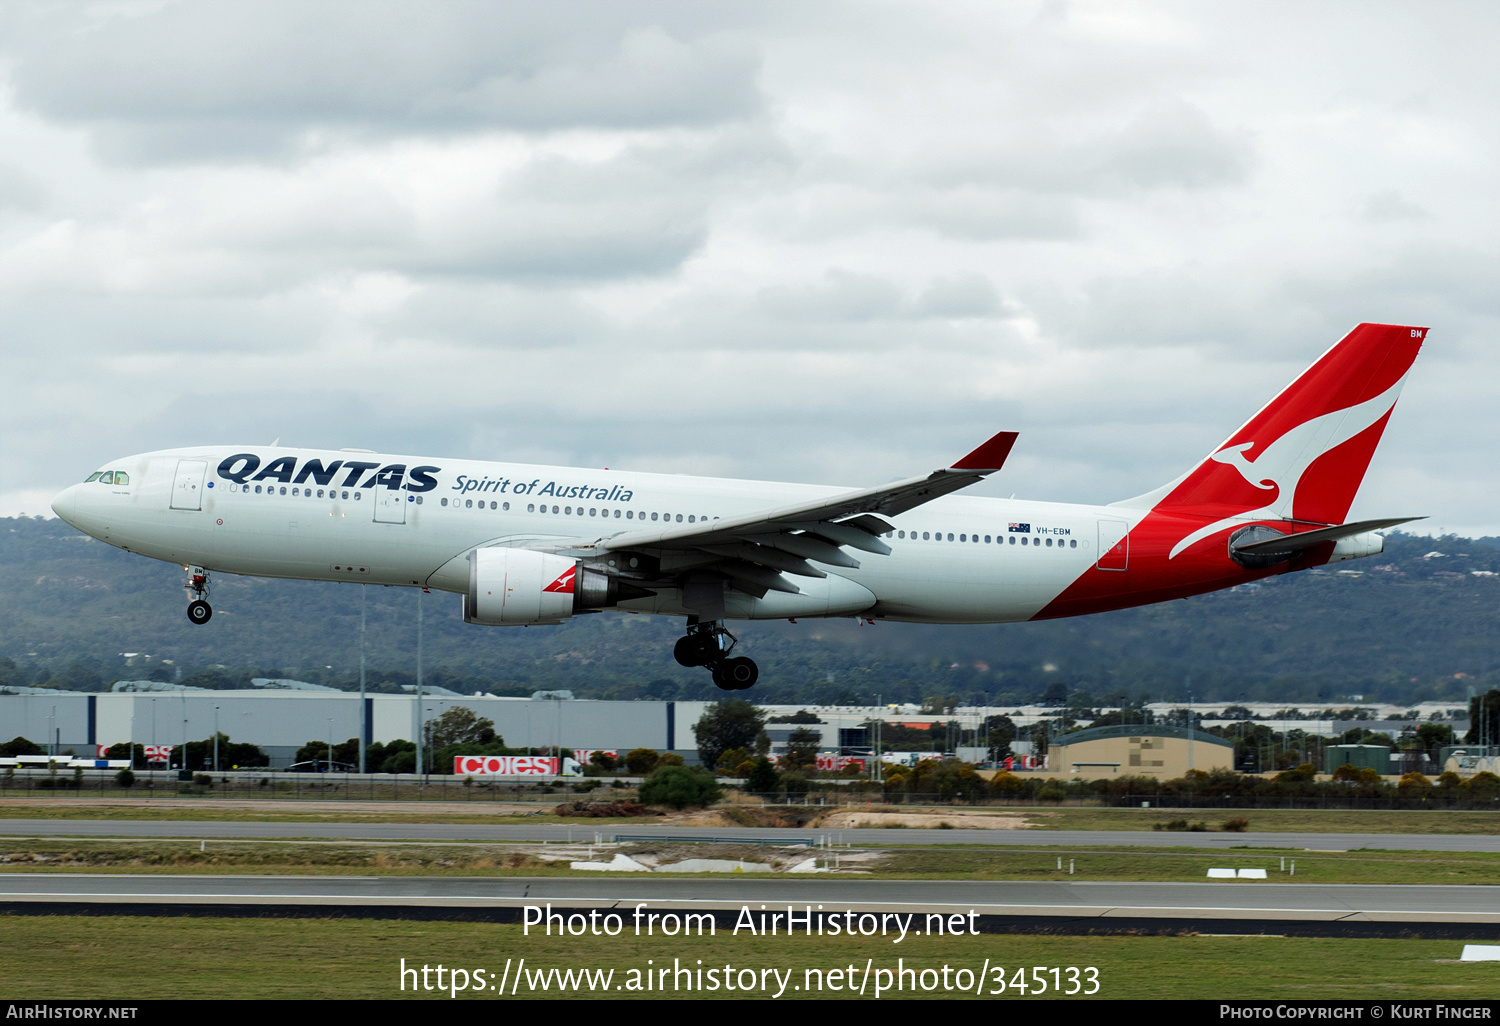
x: 187, y: 484
x: 1114, y: 545
x: 390, y: 505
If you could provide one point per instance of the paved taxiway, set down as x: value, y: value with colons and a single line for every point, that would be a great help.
x: 1474, y: 905
x: 584, y: 832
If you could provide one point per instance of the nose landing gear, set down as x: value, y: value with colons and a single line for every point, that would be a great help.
x: 198, y: 610
x: 705, y: 645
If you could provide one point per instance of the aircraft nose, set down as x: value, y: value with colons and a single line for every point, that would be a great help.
x: 67, y: 505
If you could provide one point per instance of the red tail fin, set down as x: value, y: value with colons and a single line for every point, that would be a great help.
x: 1304, y: 454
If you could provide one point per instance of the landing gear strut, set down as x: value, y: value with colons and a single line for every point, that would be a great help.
x: 705, y: 645
x: 199, y: 611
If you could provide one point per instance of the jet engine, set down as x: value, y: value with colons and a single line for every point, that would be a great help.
x: 523, y: 586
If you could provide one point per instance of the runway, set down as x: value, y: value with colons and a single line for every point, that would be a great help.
x: 1084, y: 906
x: 211, y: 829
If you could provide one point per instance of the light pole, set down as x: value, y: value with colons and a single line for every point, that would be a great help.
x: 216, y: 739
x: 361, y: 717
x: 420, y: 722
x: 330, y: 744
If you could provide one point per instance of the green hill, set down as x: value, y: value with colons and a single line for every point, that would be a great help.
x: 1401, y: 627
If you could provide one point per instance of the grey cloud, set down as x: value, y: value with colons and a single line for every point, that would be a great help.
x: 1392, y: 206
x: 19, y: 190
x: 1171, y: 146
x: 959, y: 295
x: 188, y: 81
x: 987, y: 215
x: 851, y: 296
x: 1167, y: 146
x: 842, y: 295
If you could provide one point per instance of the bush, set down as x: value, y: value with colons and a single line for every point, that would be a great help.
x: 680, y: 788
x: 669, y: 759
x: 641, y: 761
x: 1051, y: 792
x: 794, y: 783
x: 125, y: 778
x: 203, y: 779
x: 730, y: 761
x: 1414, y: 785
x: 1237, y: 825
x: 762, y: 777
x: 1008, y: 785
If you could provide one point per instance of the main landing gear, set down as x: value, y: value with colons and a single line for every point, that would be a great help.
x: 199, y: 611
x: 705, y: 645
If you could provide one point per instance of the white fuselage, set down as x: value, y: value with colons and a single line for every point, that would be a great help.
x: 956, y: 559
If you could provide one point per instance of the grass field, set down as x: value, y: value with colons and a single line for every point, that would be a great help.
x: 1121, y: 863
x: 142, y: 958
x: 1424, y: 821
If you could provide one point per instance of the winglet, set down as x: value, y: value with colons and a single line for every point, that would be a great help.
x: 990, y: 456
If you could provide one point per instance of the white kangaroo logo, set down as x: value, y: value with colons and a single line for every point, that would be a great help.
x: 1282, y: 463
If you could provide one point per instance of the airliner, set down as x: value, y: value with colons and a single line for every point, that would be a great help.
x: 537, y: 544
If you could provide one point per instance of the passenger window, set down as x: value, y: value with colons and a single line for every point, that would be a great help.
x: 629, y: 514
x: 986, y: 539
x: 617, y: 514
x: 468, y: 503
x: 900, y: 534
x: 593, y: 511
x: 419, y: 499
x: 283, y: 489
x: 356, y: 496
x: 443, y: 503
x: 1012, y: 539
x: 924, y: 536
x: 653, y: 516
x: 345, y: 495
x: 1049, y: 543
x: 690, y: 519
x: 963, y: 537
x: 679, y: 518
x: 505, y: 505
x: 950, y: 537
x: 554, y: 509
x: 1073, y: 544
x: 294, y: 491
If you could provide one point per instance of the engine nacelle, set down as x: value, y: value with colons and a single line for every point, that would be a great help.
x: 1357, y: 546
x: 519, y: 586
x: 523, y: 586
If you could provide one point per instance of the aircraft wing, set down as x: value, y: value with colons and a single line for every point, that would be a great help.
x: 755, y: 551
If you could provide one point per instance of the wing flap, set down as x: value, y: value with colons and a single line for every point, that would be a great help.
x: 753, y: 551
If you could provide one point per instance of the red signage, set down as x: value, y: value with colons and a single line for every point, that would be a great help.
x: 506, y: 766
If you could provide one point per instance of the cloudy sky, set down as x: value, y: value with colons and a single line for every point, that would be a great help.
x: 817, y: 242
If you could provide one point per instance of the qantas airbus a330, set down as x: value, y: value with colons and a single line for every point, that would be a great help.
x: 536, y: 545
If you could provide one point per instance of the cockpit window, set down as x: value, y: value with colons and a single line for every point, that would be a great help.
x: 121, y: 477
x: 94, y: 476
x: 108, y: 477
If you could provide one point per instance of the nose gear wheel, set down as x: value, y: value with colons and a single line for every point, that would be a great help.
x: 198, y: 610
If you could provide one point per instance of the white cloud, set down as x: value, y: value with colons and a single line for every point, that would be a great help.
x: 817, y: 242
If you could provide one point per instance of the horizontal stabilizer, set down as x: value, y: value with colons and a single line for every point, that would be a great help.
x: 1308, y: 539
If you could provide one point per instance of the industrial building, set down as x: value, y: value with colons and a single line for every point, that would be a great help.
x: 281, y: 716
x: 1134, y: 750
